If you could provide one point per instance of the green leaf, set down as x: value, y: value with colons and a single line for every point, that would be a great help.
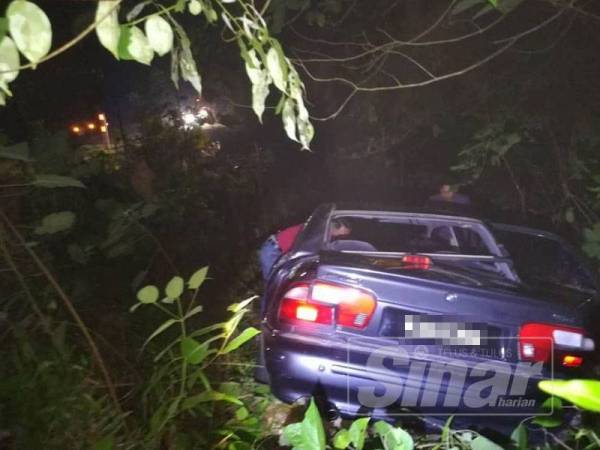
x: 308, y: 434
x: 288, y: 116
x: 221, y: 397
x: 244, y: 337
x: 306, y: 132
x: 483, y: 443
x: 134, y: 307
x: 446, y: 430
x: 209, y: 396
x: 358, y: 432
x: 198, y: 374
x: 4, y: 89
x: 393, y: 438
x: 194, y: 7
x: 175, y: 66
x: 30, y: 28
x: 582, y: 393
x: 179, y: 6
x: 108, y: 29
x: 187, y: 65
x: 548, y: 421
x: 291, y: 435
x: 231, y: 388
x: 242, y: 413
x: 260, y: 92
x: 207, y: 330
x: 124, y: 39
x: 56, y: 181
x: 164, y: 326
x: 136, y: 10
x: 227, y: 21
x: 341, y: 440
x: 519, y: 437
x: 277, y: 68
x: 9, y: 60
x: 134, y: 45
x: 56, y: 222
x: 211, y: 15
x: 194, y: 311
x: 262, y: 389
x: 174, y: 288
x: 463, y: 5
x: 253, y: 66
x: 160, y: 34
x: 237, y: 307
x: 192, y: 351
x: 148, y: 294
x: 198, y: 278
x: 106, y: 443
x: 552, y: 403
x: 494, y: 3
x: 483, y: 11
x: 507, y: 6
x: 3, y: 27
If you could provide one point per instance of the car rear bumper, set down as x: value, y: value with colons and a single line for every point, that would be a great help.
x: 341, y: 372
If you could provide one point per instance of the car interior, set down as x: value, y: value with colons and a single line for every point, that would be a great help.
x: 409, y: 235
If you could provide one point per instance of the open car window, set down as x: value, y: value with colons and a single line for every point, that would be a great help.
x: 410, y: 234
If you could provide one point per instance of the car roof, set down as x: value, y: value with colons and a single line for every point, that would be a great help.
x: 440, y: 209
x: 450, y: 211
x: 525, y: 230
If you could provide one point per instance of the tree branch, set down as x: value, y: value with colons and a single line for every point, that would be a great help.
x: 376, y: 52
x: 416, y: 84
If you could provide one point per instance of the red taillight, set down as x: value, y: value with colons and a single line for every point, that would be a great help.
x: 417, y: 262
x: 536, y: 341
x: 354, y: 306
x: 295, y: 305
x: 572, y: 361
x: 321, y: 302
x: 307, y: 312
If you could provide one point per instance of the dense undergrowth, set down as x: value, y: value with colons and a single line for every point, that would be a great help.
x: 92, y: 359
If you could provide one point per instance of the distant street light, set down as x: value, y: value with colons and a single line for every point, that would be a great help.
x: 91, y: 128
x: 189, y: 120
x: 203, y: 114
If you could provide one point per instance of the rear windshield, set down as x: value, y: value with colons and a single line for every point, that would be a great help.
x: 409, y: 235
x: 541, y: 260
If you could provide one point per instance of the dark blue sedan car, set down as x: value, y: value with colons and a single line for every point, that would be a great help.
x: 414, y: 311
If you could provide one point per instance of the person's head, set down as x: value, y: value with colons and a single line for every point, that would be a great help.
x: 339, y: 227
x: 447, y: 191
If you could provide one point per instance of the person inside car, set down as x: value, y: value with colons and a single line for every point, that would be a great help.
x: 280, y: 243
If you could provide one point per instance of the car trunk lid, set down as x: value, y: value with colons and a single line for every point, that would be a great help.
x: 444, y: 306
